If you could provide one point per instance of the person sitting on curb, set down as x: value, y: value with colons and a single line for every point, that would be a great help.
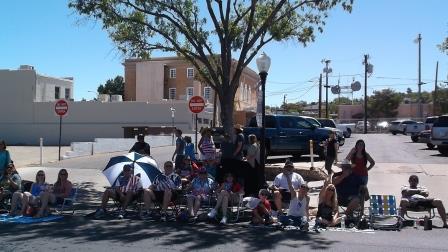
x: 351, y: 191
x: 229, y: 191
x: 29, y: 199
x: 327, y: 210
x: 281, y: 187
x: 163, y: 190
x: 261, y: 213
x: 415, y: 196
x: 141, y: 146
x: 200, y: 188
x: 298, y: 212
x: 124, y: 190
x: 10, y: 182
x: 56, y: 194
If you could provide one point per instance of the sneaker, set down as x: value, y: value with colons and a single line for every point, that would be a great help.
x: 121, y: 214
x: 212, y: 214
x: 223, y: 220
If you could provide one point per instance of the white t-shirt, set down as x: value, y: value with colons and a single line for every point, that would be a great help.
x: 297, y: 207
x: 281, y: 182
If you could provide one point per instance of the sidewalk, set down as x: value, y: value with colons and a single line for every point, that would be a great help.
x: 24, y: 156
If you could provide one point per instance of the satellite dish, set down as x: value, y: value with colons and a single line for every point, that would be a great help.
x: 356, y: 86
x: 336, y: 89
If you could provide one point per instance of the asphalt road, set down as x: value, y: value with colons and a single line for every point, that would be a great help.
x: 396, y: 158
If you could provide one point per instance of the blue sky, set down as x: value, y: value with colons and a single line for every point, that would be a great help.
x: 50, y: 36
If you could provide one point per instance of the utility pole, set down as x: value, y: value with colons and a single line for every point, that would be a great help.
x: 327, y: 70
x: 420, y: 110
x: 434, y: 99
x: 320, y: 96
x: 284, y: 103
x: 366, y: 64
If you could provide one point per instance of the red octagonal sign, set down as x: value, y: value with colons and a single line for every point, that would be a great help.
x: 61, y: 107
x: 196, y: 104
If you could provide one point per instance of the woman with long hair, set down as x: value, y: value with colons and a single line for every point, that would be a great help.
x: 29, y: 198
x: 55, y: 194
x: 327, y: 211
x: 359, y: 158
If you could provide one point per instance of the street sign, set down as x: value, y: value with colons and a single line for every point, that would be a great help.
x: 61, y: 107
x: 196, y: 104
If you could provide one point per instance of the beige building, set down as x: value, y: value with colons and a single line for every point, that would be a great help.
x: 172, y: 78
x: 28, y: 101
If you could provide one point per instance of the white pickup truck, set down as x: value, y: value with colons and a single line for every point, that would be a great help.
x: 346, y: 128
x: 439, y: 134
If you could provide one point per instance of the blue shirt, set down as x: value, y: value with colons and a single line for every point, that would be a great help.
x: 181, y: 143
x: 5, y: 159
x: 189, y: 151
x: 201, y: 186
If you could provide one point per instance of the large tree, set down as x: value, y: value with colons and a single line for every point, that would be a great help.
x: 220, y: 38
x: 112, y: 86
x: 383, y: 104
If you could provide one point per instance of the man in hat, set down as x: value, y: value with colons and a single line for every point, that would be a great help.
x: 281, y: 188
x: 415, y: 196
x: 141, y: 146
x: 350, y: 188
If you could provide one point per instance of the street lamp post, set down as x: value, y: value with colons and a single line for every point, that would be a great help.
x: 172, y: 124
x: 263, y: 64
x: 327, y: 70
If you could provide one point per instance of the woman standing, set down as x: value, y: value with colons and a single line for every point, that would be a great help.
x: 359, y: 157
x: 331, y: 154
x: 5, y: 158
x: 206, y: 145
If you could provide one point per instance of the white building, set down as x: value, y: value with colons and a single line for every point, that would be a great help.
x: 27, y: 102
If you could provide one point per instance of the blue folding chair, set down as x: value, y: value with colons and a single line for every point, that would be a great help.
x: 69, y: 202
x: 382, y: 208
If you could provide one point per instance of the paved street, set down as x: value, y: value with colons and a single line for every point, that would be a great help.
x: 396, y: 156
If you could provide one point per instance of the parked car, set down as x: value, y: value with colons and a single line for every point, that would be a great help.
x: 429, y: 121
x: 399, y: 126
x: 424, y: 136
x: 328, y: 124
x: 289, y: 135
x: 439, y: 134
x: 414, y: 129
x: 360, y: 125
x: 346, y: 128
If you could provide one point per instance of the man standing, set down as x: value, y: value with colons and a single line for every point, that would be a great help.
x: 179, y: 152
x: 414, y: 196
x: 141, y: 146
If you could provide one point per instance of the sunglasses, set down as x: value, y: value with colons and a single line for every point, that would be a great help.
x: 63, y: 174
x: 40, y: 175
x: 168, y: 166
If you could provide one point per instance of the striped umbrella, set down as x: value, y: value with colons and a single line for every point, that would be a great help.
x: 144, y: 166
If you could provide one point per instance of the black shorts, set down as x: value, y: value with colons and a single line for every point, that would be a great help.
x: 159, y: 196
x: 286, y: 196
x: 425, y: 203
x: 136, y: 196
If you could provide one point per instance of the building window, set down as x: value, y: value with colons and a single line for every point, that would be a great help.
x: 190, y: 73
x: 57, y: 92
x: 173, y: 73
x: 67, y: 93
x: 207, y: 93
x: 172, y: 93
x: 189, y: 92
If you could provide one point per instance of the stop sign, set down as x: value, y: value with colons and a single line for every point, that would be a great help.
x: 61, y: 107
x: 196, y: 104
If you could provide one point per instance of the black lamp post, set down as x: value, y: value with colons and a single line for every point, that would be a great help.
x: 263, y: 64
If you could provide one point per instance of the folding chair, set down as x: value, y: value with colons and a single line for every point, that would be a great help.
x: 384, y: 207
x: 420, y: 209
x: 68, y: 203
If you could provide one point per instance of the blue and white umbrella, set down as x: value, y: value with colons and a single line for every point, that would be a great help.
x: 143, y: 165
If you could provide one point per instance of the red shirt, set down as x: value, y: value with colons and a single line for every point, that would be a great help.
x: 266, y: 204
x: 360, y: 168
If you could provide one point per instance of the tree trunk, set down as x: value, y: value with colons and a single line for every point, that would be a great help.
x: 227, y: 111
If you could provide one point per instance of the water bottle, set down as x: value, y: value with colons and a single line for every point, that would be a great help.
x: 343, y: 223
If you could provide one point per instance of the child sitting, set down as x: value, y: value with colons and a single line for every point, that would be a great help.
x: 228, y: 191
x: 261, y: 214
